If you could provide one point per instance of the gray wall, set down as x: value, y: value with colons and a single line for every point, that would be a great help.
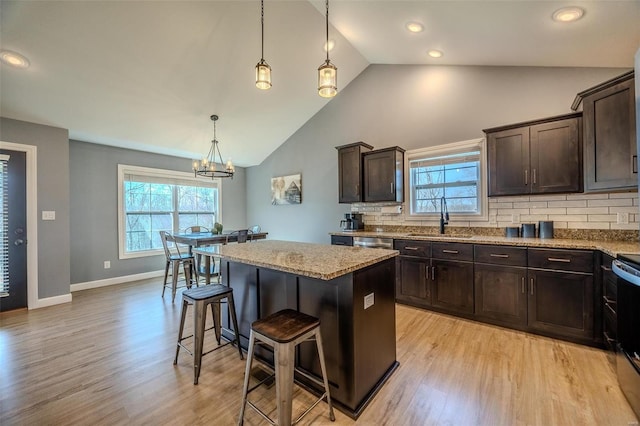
x: 412, y: 106
x: 53, y: 194
x: 94, y: 208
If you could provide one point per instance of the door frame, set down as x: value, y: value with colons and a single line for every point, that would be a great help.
x: 32, y: 218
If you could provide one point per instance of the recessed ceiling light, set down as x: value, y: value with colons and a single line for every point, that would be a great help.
x: 14, y: 59
x: 435, y: 53
x: 568, y: 14
x: 329, y: 45
x: 415, y: 27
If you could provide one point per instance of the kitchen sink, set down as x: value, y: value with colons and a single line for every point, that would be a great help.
x: 443, y: 237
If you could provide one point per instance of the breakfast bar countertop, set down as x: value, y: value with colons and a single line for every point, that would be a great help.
x: 611, y: 247
x: 322, y: 261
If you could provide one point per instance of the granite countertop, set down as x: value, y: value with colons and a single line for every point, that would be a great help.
x: 612, y: 248
x: 321, y: 261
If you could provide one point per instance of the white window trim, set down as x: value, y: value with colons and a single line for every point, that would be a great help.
x: 123, y: 170
x: 434, y: 151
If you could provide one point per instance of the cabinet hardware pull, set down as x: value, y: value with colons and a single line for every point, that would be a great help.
x: 391, y: 187
x: 504, y: 256
x: 613, y: 311
x: 533, y: 177
x: 526, y: 177
x: 411, y: 248
x: 557, y: 259
x: 634, y: 164
x: 607, y: 300
x: 523, y: 291
x: 605, y: 268
x: 532, y: 286
x: 450, y: 251
x: 433, y: 273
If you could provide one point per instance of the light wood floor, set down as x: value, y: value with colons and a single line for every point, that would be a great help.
x: 106, y: 358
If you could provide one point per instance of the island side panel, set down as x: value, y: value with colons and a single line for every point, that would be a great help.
x: 374, y: 326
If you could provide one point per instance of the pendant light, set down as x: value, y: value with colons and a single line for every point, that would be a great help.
x: 327, y: 73
x: 263, y: 70
x: 208, y: 166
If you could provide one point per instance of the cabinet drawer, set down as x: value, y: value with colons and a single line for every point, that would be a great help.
x: 341, y: 240
x: 500, y: 255
x: 455, y: 251
x: 413, y: 248
x: 563, y: 260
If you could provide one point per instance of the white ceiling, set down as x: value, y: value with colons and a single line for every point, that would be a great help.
x: 148, y: 74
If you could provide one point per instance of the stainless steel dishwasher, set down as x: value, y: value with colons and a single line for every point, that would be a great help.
x: 373, y: 242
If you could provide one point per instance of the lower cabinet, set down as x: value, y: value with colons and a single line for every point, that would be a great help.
x: 452, y: 286
x: 501, y: 294
x: 412, y: 283
x: 609, y: 288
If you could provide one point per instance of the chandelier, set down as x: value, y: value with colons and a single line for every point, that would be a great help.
x: 208, y: 166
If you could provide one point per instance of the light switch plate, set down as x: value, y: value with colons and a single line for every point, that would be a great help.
x: 623, y: 217
x: 369, y: 300
x: 48, y: 215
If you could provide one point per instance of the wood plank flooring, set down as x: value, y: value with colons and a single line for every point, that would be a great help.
x: 107, y: 358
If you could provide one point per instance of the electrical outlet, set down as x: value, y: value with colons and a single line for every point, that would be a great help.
x: 107, y: 264
x: 48, y: 215
x: 623, y: 217
x: 368, y: 300
x: 515, y: 218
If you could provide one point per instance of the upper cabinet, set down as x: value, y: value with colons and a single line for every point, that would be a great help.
x: 383, y: 175
x: 610, y: 160
x: 536, y: 157
x: 350, y: 171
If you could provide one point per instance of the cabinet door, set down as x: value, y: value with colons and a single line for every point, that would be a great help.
x: 501, y: 294
x: 561, y: 303
x: 412, y: 281
x: 610, y: 138
x: 508, y: 162
x: 379, y: 176
x: 452, y: 286
x: 349, y: 175
x: 556, y: 157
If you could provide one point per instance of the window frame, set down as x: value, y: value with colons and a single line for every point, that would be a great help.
x: 160, y: 174
x: 479, y: 144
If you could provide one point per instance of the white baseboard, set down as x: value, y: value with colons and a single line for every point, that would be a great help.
x: 116, y: 280
x: 50, y: 301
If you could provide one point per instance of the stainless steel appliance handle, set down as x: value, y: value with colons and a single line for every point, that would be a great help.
x: 626, y: 272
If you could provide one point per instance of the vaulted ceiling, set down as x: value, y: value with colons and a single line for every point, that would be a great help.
x: 148, y: 74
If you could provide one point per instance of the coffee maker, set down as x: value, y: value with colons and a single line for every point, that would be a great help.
x: 352, y: 222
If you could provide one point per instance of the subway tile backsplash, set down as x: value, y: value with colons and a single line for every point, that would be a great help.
x: 605, y: 211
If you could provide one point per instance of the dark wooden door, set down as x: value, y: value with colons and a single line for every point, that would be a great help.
x: 610, y: 138
x: 15, y: 225
x: 508, y: 162
x: 452, y: 286
x: 379, y: 176
x: 556, y: 157
x: 561, y: 303
x: 501, y: 294
x: 350, y: 172
x: 412, y: 282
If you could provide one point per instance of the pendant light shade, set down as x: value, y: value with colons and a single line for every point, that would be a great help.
x: 327, y: 73
x: 263, y: 70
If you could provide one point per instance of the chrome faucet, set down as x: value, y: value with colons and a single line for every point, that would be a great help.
x: 444, y: 214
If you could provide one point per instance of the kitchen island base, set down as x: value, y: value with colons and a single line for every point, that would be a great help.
x: 357, y: 317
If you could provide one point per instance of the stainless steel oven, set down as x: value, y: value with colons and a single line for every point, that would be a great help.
x: 627, y: 270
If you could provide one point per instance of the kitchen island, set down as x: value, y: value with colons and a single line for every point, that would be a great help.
x: 351, y: 290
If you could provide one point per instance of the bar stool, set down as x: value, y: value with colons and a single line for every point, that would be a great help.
x: 200, y: 298
x: 283, y: 331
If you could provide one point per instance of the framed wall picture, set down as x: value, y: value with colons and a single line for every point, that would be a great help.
x: 286, y: 190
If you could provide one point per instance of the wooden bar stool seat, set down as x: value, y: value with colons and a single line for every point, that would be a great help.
x: 200, y: 298
x: 283, y: 331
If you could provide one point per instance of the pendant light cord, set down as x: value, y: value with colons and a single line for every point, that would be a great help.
x: 262, y: 25
x: 327, y: 25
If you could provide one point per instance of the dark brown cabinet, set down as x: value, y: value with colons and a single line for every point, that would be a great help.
x: 452, y: 277
x: 413, y: 270
x: 383, y: 175
x: 350, y: 173
x: 341, y: 240
x: 560, y: 299
x: 609, y: 290
x: 500, y: 279
x: 536, y: 157
x: 611, y: 161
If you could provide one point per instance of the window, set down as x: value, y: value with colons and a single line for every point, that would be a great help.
x: 4, y: 226
x: 153, y: 200
x: 453, y: 171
